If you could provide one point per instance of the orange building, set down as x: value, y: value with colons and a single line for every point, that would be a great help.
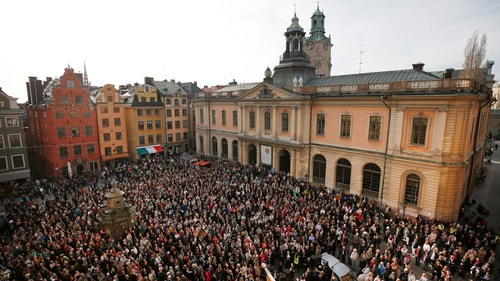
x: 63, y: 136
x: 407, y: 139
x: 144, y: 115
x: 112, y: 126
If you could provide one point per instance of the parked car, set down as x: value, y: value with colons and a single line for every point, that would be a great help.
x: 341, y: 271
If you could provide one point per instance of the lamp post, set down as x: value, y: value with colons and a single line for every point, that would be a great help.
x: 404, y: 207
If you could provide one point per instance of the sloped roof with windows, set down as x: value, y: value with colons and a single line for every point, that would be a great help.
x: 167, y: 88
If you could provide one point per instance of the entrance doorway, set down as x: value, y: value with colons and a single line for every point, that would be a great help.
x: 80, y: 169
x: 284, y: 160
x: 252, y: 154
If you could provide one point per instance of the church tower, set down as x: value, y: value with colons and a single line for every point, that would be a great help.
x: 319, y: 47
x: 294, y: 68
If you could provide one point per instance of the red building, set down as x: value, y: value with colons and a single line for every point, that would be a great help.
x: 62, y: 136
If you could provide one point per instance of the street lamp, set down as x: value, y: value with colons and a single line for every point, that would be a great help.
x: 404, y: 207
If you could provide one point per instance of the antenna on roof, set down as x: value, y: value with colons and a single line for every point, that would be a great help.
x: 361, y: 52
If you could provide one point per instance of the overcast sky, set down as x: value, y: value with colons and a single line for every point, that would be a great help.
x: 215, y: 41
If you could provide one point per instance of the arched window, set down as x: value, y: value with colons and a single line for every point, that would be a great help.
x: 343, y: 174
x: 371, y: 180
x: 214, y: 147
x: 225, y: 149
x: 235, y: 150
x: 201, y: 144
x: 412, y: 189
x: 319, y: 169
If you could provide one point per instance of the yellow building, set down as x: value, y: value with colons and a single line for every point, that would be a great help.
x: 407, y: 139
x: 144, y: 114
x: 111, y: 123
x: 175, y: 99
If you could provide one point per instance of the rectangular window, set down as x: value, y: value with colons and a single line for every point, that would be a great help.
x: 18, y: 161
x: 148, y: 112
x: 158, y: 138
x: 94, y: 166
x: 184, y: 101
x: 110, y: 98
x: 106, y: 137
x: 118, y: 122
x: 78, y: 99
x: 140, y: 125
x: 184, y: 123
x: 118, y: 135
x: 170, y: 137
x: 73, y: 114
x: 64, y: 99
x: 77, y: 149
x: 284, y: 122
x: 252, y: 120
x: 169, y: 112
x: 86, y: 114
x: 90, y: 148
x: 140, y: 112
x: 75, y: 131
x: 375, y: 125
x: 104, y: 110
x: 59, y: 115
x: 116, y: 110
x: 107, y: 151
x: 320, y: 124
x: 89, y: 131
x: 176, y: 102
x: 105, y: 122
x: 151, y: 99
x: 169, y: 125
x: 63, y: 151
x: 11, y: 121
x: 185, y: 136
x: 2, y: 145
x: 267, y: 121
x: 419, y: 131
x: 235, y: 118
x: 15, y: 140
x: 119, y: 149
x: 3, y: 163
x: 151, y: 139
x: 202, y: 117
x: 158, y: 124
x: 143, y: 99
x: 184, y: 112
x: 168, y: 101
x: 149, y: 124
x: 157, y: 111
x: 61, y: 132
x: 178, y: 136
x: 177, y: 113
x: 142, y: 140
x: 223, y: 117
x: 2, y: 104
x: 70, y: 83
x: 345, y: 125
x: 213, y: 117
x: 177, y: 124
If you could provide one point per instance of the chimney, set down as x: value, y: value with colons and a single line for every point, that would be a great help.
x: 449, y: 73
x: 172, y: 80
x: 418, y: 66
x: 195, y: 84
x: 233, y: 83
x: 148, y: 81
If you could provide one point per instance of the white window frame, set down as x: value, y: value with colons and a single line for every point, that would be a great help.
x: 20, y: 141
x: 6, y: 163
x: 12, y: 161
x: 3, y: 142
x: 11, y: 117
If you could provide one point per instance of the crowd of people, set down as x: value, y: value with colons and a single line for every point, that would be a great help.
x: 225, y: 222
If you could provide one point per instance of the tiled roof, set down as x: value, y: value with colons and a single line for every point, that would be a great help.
x: 373, y: 77
x: 169, y: 88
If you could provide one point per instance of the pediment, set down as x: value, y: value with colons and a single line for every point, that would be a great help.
x: 267, y: 91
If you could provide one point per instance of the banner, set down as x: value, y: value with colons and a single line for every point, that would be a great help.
x: 266, y: 155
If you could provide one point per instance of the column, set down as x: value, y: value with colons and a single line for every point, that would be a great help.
x: 438, y: 134
x: 274, y: 124
x: 293, y: 164
x: 241, y: 117
x: 257, y: 122
x: 400, y: 111
x: 292, y: 123
x: 299, y: 123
